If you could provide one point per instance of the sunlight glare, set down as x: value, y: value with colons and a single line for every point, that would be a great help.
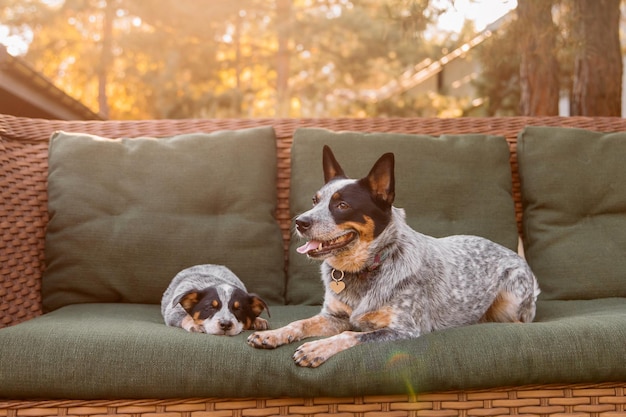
x: 481, y: 12
x: 14, y: 44
x: 53, y: 3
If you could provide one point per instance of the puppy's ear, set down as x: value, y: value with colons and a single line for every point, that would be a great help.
x: 381, y: 180
x: 332, y: 169
x: 258, y: 305
x: 188, y: 300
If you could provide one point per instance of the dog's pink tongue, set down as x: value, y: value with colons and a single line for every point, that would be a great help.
x: 309, y: 246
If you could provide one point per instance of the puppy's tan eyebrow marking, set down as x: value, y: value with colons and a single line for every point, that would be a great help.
x: 215, y: 303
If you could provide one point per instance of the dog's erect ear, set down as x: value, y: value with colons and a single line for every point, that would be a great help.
x: 332, y: 169
x: 258, y: 305
x: 381, y: 180
x: 188, y: 300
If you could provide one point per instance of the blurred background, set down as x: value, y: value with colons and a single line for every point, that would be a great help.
x: 138, y: 59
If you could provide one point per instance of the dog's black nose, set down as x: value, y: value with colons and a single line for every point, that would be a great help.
x: 226, y: 325
x: 303, y: 224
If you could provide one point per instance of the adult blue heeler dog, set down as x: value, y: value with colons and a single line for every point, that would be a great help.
x: 385, y: 281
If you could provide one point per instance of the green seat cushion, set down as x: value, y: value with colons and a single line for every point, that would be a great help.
x: 451, y: 184
x: 127, y: 214
x: 106, y: 351
x: 574, y: 201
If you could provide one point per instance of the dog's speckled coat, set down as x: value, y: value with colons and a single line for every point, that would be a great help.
x: 399, y: 283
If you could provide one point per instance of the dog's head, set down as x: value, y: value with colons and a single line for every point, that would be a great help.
x: 222, y: 310
x: 347, y: 214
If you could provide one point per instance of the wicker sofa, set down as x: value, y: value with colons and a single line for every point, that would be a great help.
x: 24, y: 218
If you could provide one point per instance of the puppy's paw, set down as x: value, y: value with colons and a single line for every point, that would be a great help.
x: 191, y: 326
x: 197, y: 329
x: 270, y: 339
x: 260, y: 324
x: 194, y: 328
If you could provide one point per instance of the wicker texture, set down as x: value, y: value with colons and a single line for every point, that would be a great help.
x: 23, y: 218
x: 607, y: 400
x: 23, y: 158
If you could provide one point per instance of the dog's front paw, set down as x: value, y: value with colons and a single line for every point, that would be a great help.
x: 313, y: 354
x: 260, y: 324
x: 270, y: 339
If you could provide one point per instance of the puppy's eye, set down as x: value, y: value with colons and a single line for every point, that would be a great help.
x: 316, y: 199
x: 342, y: 205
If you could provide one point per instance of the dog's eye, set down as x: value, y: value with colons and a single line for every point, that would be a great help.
x: 342, y: 205
x: 316, y: 200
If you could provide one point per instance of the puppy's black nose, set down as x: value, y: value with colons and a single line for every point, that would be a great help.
x: 303, y: 224
x: 226, y: 325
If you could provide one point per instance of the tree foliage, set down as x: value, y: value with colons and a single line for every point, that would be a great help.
x: 135, y: 59
x: 209, y: 58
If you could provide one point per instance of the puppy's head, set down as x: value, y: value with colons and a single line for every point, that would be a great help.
x: 222, y: 310
x: 347, y: 214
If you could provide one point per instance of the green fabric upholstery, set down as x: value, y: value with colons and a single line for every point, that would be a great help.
x: 452, y: 184
x: 105, y: 351
x: 574, y: 202
x: 127, y: 214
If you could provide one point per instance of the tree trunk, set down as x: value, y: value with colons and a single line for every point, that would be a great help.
x: 539, y: 68
x: 597, y: 84
x: 283, y: 18
x: 105, y: 58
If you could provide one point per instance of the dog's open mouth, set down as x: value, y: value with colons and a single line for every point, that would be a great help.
x: 315, y: 248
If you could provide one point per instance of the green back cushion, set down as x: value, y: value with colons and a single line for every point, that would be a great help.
x: 574, y: 200
x: 127, y: 214
x: 452, y: 184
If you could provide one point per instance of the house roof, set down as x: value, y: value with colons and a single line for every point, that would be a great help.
x: 25, y: 92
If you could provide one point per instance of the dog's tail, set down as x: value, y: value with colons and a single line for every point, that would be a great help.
x: 512, y: 306
x: 529, y: 306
